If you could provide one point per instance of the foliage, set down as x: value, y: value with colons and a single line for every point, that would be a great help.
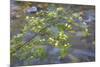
x: 50, y: 27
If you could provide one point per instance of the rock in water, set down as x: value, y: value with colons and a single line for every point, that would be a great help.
x: 33, y: 9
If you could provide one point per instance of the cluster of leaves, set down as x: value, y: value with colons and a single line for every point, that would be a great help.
x: 51, y: 27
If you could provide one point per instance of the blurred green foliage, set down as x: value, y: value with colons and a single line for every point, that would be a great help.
x: 51, y: 27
